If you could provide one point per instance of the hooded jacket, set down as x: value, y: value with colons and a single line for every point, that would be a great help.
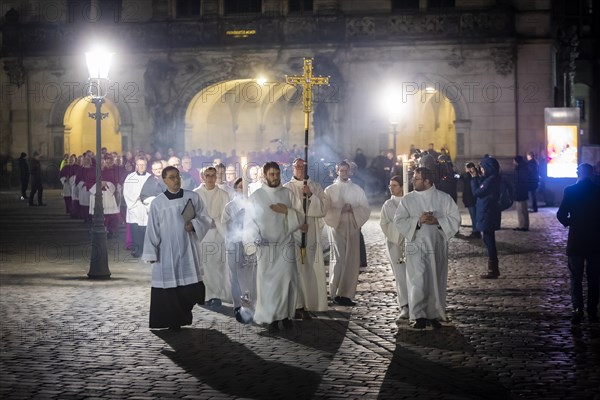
x: 486, y: 189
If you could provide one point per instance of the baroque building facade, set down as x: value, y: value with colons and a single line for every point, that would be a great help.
x: 472, y: 76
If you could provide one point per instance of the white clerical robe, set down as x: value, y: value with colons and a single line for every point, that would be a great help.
x: 217, y: 279
x: 173, y: 251
x: 243, y: 276
x: 395, y: 245
x: 67, y: 190
x: 253, y: 186
x: 225, y: 187
x: 271, y: 236
x: 344, y: 235
x: 136, y: 212
x: 313, y: 281
x: 74, y: 188
x: 83, y: 194
x: 109, y: 201
x: 427, y: 249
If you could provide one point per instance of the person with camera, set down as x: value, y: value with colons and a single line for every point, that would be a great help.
x: 485, y: 184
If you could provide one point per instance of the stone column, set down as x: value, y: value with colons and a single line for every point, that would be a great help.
x: 463, y: 139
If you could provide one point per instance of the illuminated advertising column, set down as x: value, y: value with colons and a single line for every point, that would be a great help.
x: 562, y: 129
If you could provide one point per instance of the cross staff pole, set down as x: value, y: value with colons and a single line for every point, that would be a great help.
x: 306, y: 81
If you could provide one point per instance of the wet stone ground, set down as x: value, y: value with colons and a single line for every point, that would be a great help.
x: 63, y: 336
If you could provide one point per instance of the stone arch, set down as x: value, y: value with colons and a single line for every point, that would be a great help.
x: 201, y: 82
x: 58, y: 131
x: 447, y: 90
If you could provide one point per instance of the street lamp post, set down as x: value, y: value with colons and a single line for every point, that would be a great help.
x: 393, y: 118
x: 98, y: 64
x: 394, y: 133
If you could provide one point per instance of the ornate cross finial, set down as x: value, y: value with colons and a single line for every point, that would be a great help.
x: 307, y: 81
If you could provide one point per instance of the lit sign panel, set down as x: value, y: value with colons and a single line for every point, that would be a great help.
x: 241, y: 33
x: 562, y: 127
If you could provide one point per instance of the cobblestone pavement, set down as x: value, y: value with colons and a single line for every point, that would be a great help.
x: 64, y: 336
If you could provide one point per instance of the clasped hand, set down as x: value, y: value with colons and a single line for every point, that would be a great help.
x: 279, y: 208
x: 428, y: 218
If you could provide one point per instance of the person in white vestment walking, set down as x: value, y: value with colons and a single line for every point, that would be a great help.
x: 137, y: 213
x: 217, y: 277
x: 243, y: 272
x: 221, y: 182
x: 170, y: 246
x: 428, y: 218
x: 270, y: 221
x: 313, y: 282
x: 347, y: 210
x: 395, y: 244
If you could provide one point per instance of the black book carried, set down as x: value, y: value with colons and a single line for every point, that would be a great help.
x: 188, y: 213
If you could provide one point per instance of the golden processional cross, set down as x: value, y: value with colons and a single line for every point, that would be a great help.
x: 306, y: 81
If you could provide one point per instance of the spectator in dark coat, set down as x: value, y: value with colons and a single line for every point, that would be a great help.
x: 486, y: 188
x: 447, y: 181
x: 468, y: 199
x: 521, y: 193
x: 534, y: 179
x: 379, y: 165
x: 359, y: 159
x: 580, y: 212
x: 24, y: 175
x: 35, y: 174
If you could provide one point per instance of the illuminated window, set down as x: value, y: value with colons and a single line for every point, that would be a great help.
x: 188, y: 8
x: 242, y: 7
x: 405, y: 5
x: 300, y: 6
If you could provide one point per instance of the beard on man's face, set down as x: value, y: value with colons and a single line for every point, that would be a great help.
x: 273, y: 182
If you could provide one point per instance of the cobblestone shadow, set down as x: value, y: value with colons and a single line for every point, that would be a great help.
x: 410, y: 372
x: 231, y: 368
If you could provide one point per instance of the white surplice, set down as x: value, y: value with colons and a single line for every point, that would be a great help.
x: 225, y: 187
x: 271, y: 236
x: 395, y: 245
x: 313, y: 281
x: 109, y: 201
x: 427, y: 249
x: 173, y: 251
x: 243, y: 275
x: 217, y: 279
x: 83, y: 193
x: 344, y: 235
x: 137, y: 213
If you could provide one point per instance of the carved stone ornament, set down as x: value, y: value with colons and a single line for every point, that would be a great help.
x: 299, y: 26
x: 402, y: 24
x: 15, y: 71
x: 473, y: 24
x: 360, y: 27
x: 161, y: 96
x: 455, y: 59
x: 504, y: 60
